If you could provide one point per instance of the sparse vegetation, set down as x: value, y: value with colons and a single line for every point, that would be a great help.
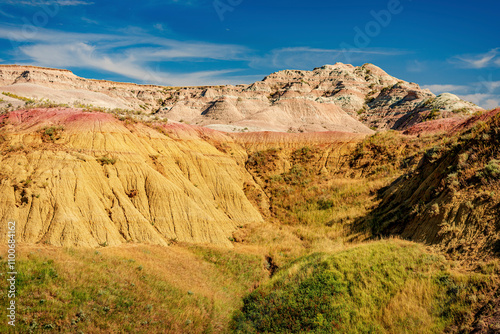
x: 491, y: 170
x: 51, y: 133
x: 26, y: 100
x: 105, y: 160
x: 432, y: 115
x: 311, y: 266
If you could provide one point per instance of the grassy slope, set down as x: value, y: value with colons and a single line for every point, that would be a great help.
x: 380, y: 287
x: 451, y: 200
x: 316, y: 210
x: 138, y: 289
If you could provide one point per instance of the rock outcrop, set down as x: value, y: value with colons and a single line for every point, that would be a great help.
x: 336, y: 97
x: 73, y: 178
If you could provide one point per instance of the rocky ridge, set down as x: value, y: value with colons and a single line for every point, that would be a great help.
x: 338, y: 97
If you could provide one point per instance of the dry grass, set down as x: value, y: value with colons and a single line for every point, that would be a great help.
x: 388, y: 286
x: 195, y: 288
x: 411, y: 308
x: 131, y: 288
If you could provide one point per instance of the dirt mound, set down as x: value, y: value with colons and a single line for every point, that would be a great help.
x: 435, y: 126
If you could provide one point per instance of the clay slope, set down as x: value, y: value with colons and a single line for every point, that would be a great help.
x: 451, y: 199
x: 72, y: 178
x: 336, y: 97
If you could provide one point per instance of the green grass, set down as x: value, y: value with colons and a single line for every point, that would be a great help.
x: 244, y: 269
x: 380, y: 287
x: 136, y: 289
x: 51, y: 133
x: 22, y: 98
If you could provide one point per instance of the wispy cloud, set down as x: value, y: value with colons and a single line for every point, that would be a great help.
x: 416, y: 66
x: 487, y: 101
x: 87, y: 56
x: 131, y: 55
x: 188, y: 3
x: 38, y: 3
x: 89, y: 21
x: 4, y: 13
x: 485, y: 92
x: 491, y: 85
x: 477, y: 61
x: 159, y: 27
x: 136, y: 54
x: 438, y: 89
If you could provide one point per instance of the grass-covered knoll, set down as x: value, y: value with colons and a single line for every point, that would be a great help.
x: 379, y: 287
x: 129, y: 289
x: 332, y: 185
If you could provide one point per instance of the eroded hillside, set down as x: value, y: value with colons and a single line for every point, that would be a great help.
x: 88, y: 179
x: 452, y: 198
x: 338, y: 97
x: 267, y: 203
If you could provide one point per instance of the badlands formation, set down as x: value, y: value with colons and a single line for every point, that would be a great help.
x: 336, y: 97
x: 267, y: 231
x: 77, y: 176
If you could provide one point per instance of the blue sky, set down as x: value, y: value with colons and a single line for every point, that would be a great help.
x: 449, y: 46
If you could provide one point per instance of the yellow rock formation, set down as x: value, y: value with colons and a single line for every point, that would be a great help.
x: 71, y: 178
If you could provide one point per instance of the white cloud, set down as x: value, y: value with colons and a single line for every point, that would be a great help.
x: 4, y: 13
x: 477, y: 61
x: 158, y: 26
x: 34, y: 34
x: 438, y: 89
x: 485, y: 92
x: 87, y: 56
x: 486, y: 101
x: 491, y: 85
x: 133, y: 52
x: 160, y: 49
x: 90, y: 21
x: 124, y: 54
x: 416, y: 66
x: 188, y: 3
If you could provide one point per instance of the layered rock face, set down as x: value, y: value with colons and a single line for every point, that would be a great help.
x: 71, y: 178
x: 336, y: 97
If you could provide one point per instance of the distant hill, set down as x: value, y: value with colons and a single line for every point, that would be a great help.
x: 336, y: 97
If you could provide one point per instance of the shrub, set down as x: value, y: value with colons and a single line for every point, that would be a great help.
x: 435, y: 209
x: 491, y: 170
x: 261, y: 158
x: 52, y: 133
x: 106, y: 160
x: 303, y: 154
x: 433, y: 114
x: 369, y: 99
x: 324, y: 204
x: 26, y: 100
